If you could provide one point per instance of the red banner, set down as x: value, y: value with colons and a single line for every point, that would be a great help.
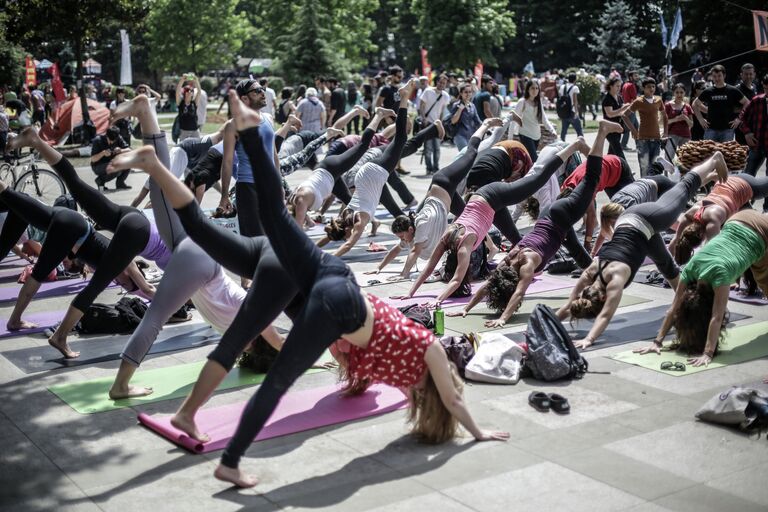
x: 31, y: 74
x: 479, y: 71
x: 426, y: 69
x: 58, y: 86
x: 761, y: 30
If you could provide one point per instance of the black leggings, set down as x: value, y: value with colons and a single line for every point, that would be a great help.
x: 394, y: 150
x: 247, y: 202
x: 500, y: 195
x: 271, y: 291
x: 63, y: 228
x: 614, y: 145
x: 337, y: 165
x: 759, y: 186
x: 449, y: 177
x: 663, y: 184
x: 130, y: 227
x: 334, y: 305
x: 568, y: 210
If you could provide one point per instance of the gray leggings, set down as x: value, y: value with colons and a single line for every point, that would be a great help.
x: 189, y: 269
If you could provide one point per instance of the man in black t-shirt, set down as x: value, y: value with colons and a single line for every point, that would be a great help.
x: 722, y: 103
x: 103, y: 149
x: 388, y: 96
x: 748, y: 89
x: 338, y: 101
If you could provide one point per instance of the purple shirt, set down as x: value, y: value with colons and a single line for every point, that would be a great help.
x: 155, y: 249
x: 545, y: 239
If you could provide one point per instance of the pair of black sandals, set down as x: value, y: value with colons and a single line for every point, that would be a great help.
x: 544, y: 402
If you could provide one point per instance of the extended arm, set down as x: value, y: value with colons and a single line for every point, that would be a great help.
x: 357, y: 232
x: 436, y: 255
x: 613, y: 298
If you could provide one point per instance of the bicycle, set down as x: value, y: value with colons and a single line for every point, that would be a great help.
x: 40, y: 183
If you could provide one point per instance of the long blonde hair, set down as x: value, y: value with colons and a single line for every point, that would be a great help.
x: 431, y: 421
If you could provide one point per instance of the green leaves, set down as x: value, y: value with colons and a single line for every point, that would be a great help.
x: 614, y: 39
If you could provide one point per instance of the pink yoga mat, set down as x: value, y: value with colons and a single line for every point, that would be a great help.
x: 748, y: 299
x: 298, y: 411
x: 540, y: 284
x: 44, y: 320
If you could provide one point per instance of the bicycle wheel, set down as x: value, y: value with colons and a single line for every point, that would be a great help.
x: 42, y: 184
x: 7, y: 174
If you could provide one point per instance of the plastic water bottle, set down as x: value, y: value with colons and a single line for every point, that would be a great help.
x: 439, y: 320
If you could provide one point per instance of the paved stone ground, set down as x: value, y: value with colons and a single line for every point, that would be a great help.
x: 631, y: 442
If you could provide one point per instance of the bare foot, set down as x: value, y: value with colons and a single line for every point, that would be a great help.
x: 21, y: 324
x: 235, y: 476
x: 440, y: 129
x: 295, y: 122
x: 140, y: 158
x: 582, y: 146
x: 374, y: 226
x: 129, y: 392
x: 408, y: 88
x: 62, y: 346
x: 130, y: 108
x: 27, y: 138
x: 720, y: 166
x: 610, y: 127
x: 244, y: 117
x: 362, y: 111
x: 187, y: 425
x: 332, y: 133
x: 385, y: 112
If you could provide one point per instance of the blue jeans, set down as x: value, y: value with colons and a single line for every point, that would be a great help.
x: 647, y: 152
x: 625, y: 135
x: 461, y: 141
x: 432, y: 155
x: 719, y: 135
x: 576, y: 122
x: 531, y: 145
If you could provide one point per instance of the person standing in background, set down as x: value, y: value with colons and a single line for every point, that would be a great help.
x: 748, y: 88
x: 432, y: 104
x: 628, y: 95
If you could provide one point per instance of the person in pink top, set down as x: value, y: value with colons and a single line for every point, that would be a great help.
x: 680, y: 116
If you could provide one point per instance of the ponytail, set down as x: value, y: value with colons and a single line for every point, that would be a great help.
x: 690, y: 238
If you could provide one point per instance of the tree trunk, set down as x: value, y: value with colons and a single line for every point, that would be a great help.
x: 87, y: 131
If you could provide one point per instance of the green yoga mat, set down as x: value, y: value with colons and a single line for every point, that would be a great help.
x: 92, y: 396
x: 742, y: 343
x: 475, y: 320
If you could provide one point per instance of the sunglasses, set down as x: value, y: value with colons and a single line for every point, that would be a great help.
x: 673, y: 367
x: 257, y: 90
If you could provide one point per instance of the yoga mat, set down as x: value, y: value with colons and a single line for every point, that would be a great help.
x: 91, y: 396
x: 44, y: 320
x: 298, y: 411
x: 757, y: 300
x: 13, y: 262
x: 107, y: 348
x: 540, y: 284
x: 475, y: 320
x: 364, y: 280
x: 11, y: 274
x: 47, y: 289
x: 629, y: 327
x: 641, y: 276
x: 742, y: 343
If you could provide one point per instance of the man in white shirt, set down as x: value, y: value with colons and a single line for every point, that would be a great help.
x: 271, y: 106
x: 432, y: 103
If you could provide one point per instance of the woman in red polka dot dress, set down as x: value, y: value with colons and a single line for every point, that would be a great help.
x: 374, y: 342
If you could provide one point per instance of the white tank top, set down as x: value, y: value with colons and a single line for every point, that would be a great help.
x: 369, y: 182
x: 219, y: 300
x: 320, y: 182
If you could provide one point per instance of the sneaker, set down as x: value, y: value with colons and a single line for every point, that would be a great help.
x: 402, y: 172
x: 123, y: 186
x: 666, y: 165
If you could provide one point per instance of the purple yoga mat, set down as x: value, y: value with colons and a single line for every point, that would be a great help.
x: 748, y: 299
x: 297, y: 411
x: 540, y: 284
x: 47, y: 289
x: 44, y: 320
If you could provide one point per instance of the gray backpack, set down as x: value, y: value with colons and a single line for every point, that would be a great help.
x: 551, y: 352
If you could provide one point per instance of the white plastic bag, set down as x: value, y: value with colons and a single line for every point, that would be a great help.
x: 498, y: 360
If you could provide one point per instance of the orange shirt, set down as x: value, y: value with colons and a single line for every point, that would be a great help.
x: 649, y: 117
x: 731, y: 195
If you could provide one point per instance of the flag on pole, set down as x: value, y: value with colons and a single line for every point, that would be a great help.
x: 677, y: 28
x: 479, y: 71
x: 529, y: 68
x: 761, y: 30
x: 126, y: 74
x: 664, y: 39
x: 57, y: 85
x: 31, y: 73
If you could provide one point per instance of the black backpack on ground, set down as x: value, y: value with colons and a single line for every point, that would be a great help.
x: 459, y: 349
x: 120, y: 318
x: 564, y: 105
x: 418, y: 314
x: 551, y: 353
x: 258, y: 357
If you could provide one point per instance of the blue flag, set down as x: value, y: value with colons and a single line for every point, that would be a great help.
x: 664, y: 39
x: 677, y: 27
x: 529, y: 68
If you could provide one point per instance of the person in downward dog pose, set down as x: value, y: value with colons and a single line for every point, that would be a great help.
x: 506, y: 287
x: 705, y: 284
x: 420, y: 232
x: 599, y: 289
x: 369, y: 182
x: 337, y: 313
x: 469, y: 230
x: 190, y: 272
x: 704, y: 220
x: 133, y: 235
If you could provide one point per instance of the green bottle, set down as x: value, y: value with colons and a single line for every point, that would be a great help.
x: 439, y: 320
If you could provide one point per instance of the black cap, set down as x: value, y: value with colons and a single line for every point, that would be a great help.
x: 244, y: 86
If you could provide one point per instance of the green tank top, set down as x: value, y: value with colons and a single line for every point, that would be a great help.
x: 724, y: 258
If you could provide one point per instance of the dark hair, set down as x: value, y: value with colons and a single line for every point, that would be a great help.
x: 589, y: 305
x: 367, y: 92
x: 536, y: 100
x: 263, y: 82
x: 532, y: 207
x: 690, y: 238
x: 403, y: 222
x: 333, y: 81
x: 336, y: 230
x: 351, y: 92
x: 690, y: 318
x: 648, y: 81
x: 717, y: 68
x: 301, y: 91
x: 747, y: 66
x: 113, y: 132
x: 286, y: 93
x: 677, y: 86
x: 120, y: 90
x: 611, y: 82
x: 697, y: 88
x: 572, y: 77
x: 439, y: 77
x: 501, y: 286
x: 395, y: 69
x: 320, y: 78
x: 485, y: 79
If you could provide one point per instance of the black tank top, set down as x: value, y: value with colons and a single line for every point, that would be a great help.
x: 188, y: 116
x: 628, y: 246
x: 491, y: 165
